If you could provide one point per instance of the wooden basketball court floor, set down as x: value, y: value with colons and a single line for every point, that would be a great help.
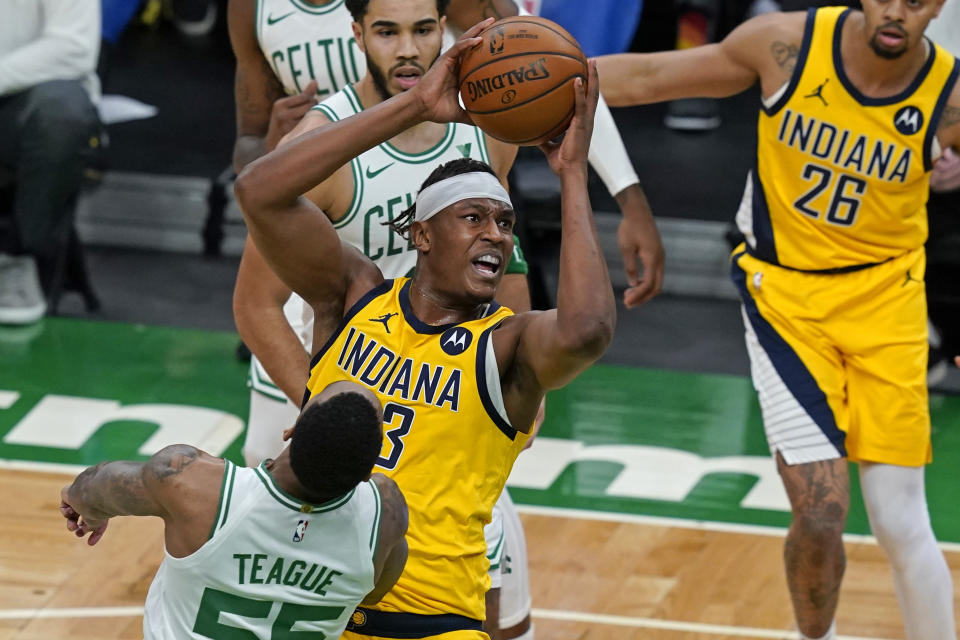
x: 605, y: 563
x: 591, y: 579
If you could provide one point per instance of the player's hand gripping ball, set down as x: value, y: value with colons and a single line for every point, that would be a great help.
x: 517, y: 85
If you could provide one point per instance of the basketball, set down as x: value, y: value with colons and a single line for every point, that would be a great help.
x: 517, y: 85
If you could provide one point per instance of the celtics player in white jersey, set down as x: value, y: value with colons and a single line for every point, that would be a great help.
x: 291, y: 546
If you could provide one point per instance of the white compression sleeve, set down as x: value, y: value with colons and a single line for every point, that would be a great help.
x: 897, y: 507
x: 608, y: 156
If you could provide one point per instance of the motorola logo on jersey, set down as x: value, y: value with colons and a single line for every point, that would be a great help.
x: 455, y: 341
x: 909, y: 120
x: 300, y: 531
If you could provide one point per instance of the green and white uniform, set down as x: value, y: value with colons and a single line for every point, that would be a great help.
x: 304, y: 42
x: 272, y: 565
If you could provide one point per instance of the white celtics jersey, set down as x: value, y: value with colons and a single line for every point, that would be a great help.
x: 386, y: 182
x: 272, y: 567
x: 303, y: 41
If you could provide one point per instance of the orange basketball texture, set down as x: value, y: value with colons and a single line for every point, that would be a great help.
x: 517, y: 85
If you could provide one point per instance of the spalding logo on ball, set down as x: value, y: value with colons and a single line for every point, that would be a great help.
x: 518, y: 84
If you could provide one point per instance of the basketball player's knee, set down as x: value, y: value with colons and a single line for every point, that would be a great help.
x: 821, y: 524
x: 896, y: 532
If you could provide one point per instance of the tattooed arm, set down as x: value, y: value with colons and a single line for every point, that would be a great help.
x: 152, y: 488
x: 946, y: 170
x: 948, y: 129
x: 764, y: 48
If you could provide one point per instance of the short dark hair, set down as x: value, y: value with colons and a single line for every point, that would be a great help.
x: 335, y: 444
x: 358, y: 8
x: 401, y: 224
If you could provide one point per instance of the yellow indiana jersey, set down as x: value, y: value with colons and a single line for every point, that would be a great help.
x: 842, y: 178
x: 446, y: 442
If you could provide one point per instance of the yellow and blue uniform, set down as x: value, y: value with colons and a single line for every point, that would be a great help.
x: 831, y: 273
x: 447, y: 443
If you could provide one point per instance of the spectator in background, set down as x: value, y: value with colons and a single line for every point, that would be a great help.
x: 696, y: 26
x: 606, y: 27
x: 48, y: 87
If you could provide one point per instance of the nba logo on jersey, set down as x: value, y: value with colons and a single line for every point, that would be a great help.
x: 455, y: 341
x: 908, y: 120
x: 300, y: 531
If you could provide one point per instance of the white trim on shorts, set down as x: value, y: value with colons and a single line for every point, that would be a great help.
x: 789, y: 428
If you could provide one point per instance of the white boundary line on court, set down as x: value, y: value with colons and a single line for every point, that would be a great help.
x: 557, y: 512
x: 672, y: 625
x: 683, y: 523
x: 72, y: 612
x: 42, y: 467
x: 543, y: 614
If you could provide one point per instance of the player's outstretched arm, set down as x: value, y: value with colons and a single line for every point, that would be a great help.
x: 124, y: 488
x: 553, y: 347
x: 391, y: 554
x: 764, y: 48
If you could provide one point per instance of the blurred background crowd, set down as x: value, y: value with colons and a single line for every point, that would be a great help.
x: 117, y: 126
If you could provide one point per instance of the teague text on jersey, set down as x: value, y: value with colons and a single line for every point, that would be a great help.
x: 536, y: 70
x: 259, y: 568
x: 375, y: 365
x: 846, y: 150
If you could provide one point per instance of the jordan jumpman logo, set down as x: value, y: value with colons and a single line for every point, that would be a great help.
x: 818, y: 93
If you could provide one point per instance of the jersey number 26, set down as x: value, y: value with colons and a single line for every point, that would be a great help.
x: 845, y: 194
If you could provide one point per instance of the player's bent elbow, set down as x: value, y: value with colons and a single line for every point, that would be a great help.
x: 253, y: 188
x: 589, y: 341
x: 245, y: 190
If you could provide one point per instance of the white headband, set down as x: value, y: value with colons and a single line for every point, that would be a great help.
x: 440, y: 195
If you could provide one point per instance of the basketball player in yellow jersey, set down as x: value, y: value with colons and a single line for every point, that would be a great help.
x: 857, y: 106
x: 461, y: 377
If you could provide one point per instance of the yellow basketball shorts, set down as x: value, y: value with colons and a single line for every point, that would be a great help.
x: 839, y: 361
x: 371, y: 624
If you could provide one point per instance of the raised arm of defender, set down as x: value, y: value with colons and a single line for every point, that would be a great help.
x: 538, y: 351
x: 764, y: 48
